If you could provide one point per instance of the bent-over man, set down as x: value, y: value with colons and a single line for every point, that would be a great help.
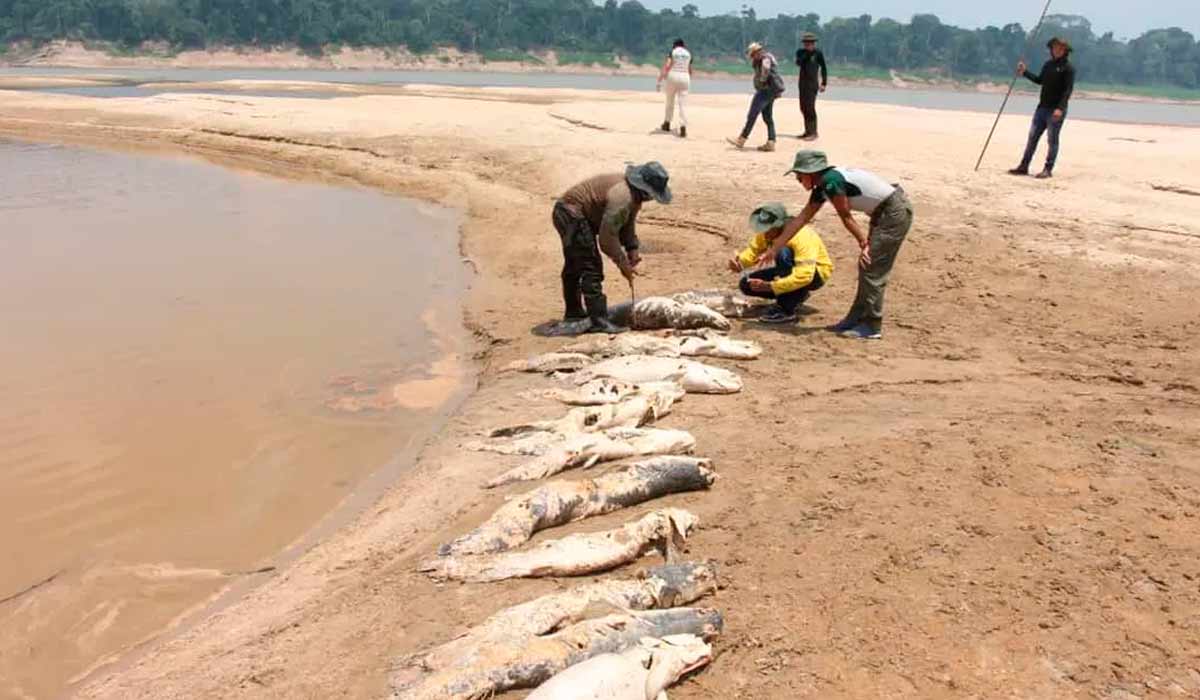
x: 599, y: 214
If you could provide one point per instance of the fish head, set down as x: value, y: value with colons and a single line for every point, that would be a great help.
x: 673, y: 657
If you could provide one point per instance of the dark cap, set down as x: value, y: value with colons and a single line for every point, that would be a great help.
x: 1061, y: 41
x: 650, y: 178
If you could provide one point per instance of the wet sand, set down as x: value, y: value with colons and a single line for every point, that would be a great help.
x: 199, y: 366
x: 998, y: 499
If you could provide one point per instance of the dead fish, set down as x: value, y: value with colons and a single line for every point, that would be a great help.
x: 588, y: 449
x: 727, y: 302
x: 604, y: 390
x: 651, y: 402
x: 661, y: 312
x: 575, y: 555
x: 625, y: 344
x: 688, y: 343
x: 564, y: 502
x: 533, y: 444
x: 660, y: 587
x: 643, y: 672
x: 550, y: 362
x: 511, y: 667
x: 696, y: 377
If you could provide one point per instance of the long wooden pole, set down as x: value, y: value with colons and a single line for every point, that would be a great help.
x: 1011, y: 85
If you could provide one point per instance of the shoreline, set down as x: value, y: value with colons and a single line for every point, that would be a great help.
x: 61, y: 54
x: 893, y: 520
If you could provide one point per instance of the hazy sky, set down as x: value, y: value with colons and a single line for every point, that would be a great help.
x: 1124, y: 18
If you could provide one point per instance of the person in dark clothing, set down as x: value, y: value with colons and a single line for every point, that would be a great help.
x: 1058, y: 82
x: 599, y: 214
x: 814, y: 76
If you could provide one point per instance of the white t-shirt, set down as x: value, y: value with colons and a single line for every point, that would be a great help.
x: 681, y: 59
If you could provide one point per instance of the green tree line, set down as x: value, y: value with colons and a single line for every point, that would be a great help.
x: 1168, y: 57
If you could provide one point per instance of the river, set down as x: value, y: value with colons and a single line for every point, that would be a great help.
x: 1020, y: 103
x: 200, y: 367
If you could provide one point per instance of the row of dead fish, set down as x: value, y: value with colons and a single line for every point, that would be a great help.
x: 618, y: 639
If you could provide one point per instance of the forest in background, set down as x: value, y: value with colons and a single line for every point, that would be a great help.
x: 581, y: 31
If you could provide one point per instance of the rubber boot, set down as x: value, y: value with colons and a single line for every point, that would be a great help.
x: 683, y: 132
x: 597, y: 307
x: 573, y: 302
x: 768, y: 146
x: 666, y: 126
x: 739, y: 141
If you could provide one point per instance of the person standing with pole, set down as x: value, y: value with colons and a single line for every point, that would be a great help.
x: 814, y: 76
x: 1058, y: 82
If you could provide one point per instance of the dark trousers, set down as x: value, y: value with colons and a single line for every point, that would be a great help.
x: 583, y: 270
x: 889, y: 227
x: 1043, y: 122
x: 785, y: 260
x: 764, y: 104
x: 809, y: 89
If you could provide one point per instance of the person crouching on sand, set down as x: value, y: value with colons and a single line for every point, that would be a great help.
x: 802, y: 266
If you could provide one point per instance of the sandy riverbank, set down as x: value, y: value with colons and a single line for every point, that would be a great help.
x: 998, y: 499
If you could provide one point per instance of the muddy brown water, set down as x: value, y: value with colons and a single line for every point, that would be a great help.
x: 199, y: 367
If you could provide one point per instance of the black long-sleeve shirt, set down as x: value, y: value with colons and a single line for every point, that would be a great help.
x: 1058, y: 82
x: 810, y: 63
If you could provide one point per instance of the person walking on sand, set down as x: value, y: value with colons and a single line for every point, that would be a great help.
x: 768, y: 86
x: 851, y: 190
x: 1058, y: 82
x: 814, y: 76
x: 677, y: 72
x: 599, y: 214
x: 802, y: 265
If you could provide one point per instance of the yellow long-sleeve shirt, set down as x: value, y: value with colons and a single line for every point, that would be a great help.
x: 811, y: 258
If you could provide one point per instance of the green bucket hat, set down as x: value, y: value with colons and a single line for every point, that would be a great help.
x: 808, y: 36
x: 650, y: 178
x: 809, y: 162
x: 768, y: 216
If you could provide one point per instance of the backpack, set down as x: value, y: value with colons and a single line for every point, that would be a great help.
x: 773, y: 81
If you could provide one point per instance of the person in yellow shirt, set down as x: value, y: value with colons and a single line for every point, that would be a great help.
x: 801, y: 267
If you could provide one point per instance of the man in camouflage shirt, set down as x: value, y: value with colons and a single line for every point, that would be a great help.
x: 600, y: 214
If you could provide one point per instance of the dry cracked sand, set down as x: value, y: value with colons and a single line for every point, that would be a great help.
x: 1000, y: 499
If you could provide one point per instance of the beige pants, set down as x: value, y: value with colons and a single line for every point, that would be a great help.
x: 676, y: 87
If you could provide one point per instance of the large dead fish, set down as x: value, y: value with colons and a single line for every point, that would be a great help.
x: 651, y: 402
x: 588, y: 449
x: 660, y: 587
x: 653, y: 313
x: 696, y: 377
x: 643, y: 672
x: 550, y: 362
x: 598, y: 392
x: 575, y: 555
x: 511, y: 667
x: 563, y: 502
x: 727, y: 302
x: 701, y: 343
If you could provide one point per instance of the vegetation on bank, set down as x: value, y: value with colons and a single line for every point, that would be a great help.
x: 1159, y: 62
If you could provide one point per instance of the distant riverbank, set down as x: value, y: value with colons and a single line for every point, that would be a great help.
x: 69, y: 54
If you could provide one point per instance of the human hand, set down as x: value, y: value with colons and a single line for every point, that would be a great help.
x: 1058, y: 115
x: 628, y: 272
x: 735, y: 265
x: 822, y: 88
x: 864, y: 258
x: 757, y: 285
x: 1021, y: 67
x: 658, y: 86
x: 634, y: 257
x: 766, y: 257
